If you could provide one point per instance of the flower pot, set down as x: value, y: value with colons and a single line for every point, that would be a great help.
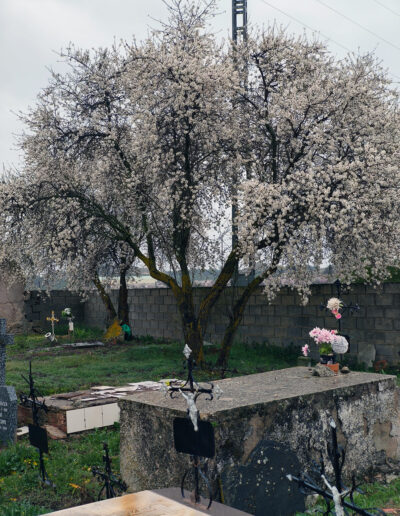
x: 333, y: 367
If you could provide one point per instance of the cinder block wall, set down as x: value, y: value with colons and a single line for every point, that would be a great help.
x: 39, y: 304
x: 374, y: 330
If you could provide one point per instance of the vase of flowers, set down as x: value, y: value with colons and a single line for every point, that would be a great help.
x: 325, y: 340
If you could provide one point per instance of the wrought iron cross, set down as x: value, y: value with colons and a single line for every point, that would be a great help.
x: 110, y: 480
x: 5, y: 340
x: 37, y: 435
x: 350, y: 308
x: 334, y: 492
x: 191, y: 390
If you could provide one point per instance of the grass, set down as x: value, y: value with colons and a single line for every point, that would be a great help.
x: 59, y: 370
x: 375, y: 495
x: 68, y: 467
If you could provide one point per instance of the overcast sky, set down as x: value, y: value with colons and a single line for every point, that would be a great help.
x: 32, y: 31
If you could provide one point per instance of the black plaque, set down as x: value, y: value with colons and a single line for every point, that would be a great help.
x: 260, y: 486
x: 38, y: 438
x: 8, y: 414
x: 187, y: 440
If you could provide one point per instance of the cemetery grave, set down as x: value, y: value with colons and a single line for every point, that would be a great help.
x: 82, y: 410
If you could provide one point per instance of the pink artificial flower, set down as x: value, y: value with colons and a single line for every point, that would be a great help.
x: 305, y: 349
x: 338, y: 316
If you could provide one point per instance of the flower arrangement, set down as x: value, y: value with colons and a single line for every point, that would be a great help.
x: 334, y: 305
x: 324, y: 339
x: 66, y: 313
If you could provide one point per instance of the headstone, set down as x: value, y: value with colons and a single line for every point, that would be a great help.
x: 261, y: 483
x: 8, y: 397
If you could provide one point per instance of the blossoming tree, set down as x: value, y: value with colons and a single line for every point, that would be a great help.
x: 151, y: 143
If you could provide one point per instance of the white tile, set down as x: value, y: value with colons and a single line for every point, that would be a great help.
x: 93, y: 417
x: 75, y: 421
x: 110, y: 414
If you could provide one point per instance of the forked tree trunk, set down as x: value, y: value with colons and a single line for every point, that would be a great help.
x: 111, y: 312
x: 238, y: 311
x: 123, y: 306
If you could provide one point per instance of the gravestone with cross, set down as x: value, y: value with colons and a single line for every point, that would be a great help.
x: 8, y: 397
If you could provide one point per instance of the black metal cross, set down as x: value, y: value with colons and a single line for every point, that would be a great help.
x: 333, y: 491
x: 194, y: 437
x: 350, y: 308
x: 110, y: 480
x: 37, y: 434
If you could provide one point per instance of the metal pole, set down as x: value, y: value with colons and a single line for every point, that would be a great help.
x: 239, y: 29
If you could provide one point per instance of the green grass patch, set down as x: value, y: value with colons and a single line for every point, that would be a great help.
x: 69, y: 467
x: 59, y: 370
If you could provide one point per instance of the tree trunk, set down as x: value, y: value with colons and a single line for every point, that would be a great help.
x: 194, y: 339
x: 123, y: 306
x: 238, y: 311
x: 111, y: 312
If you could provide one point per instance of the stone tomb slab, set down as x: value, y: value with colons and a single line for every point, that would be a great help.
x: 288, y: 406
x: 8, y: 414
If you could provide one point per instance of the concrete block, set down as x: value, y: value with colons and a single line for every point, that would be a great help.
x: 110, y: 414
x: 75, y: 421
x: 294, y: 310
x: 392, y: 313
x: 375, y: 311
x: 93, y: 417
x: 382, y: 323
x: 281, y: 310
x: 391, y: 288
x: 384, y: 300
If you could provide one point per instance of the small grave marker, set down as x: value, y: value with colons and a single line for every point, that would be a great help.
x: 112, y: 484
x: 8, y: 397
x: 37, y: 434
x: 51, y: 335
x: 261, y: 482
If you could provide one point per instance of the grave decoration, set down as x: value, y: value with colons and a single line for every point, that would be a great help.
x: 8, y: 397
x: 334, y: 492
x: 339, y: 308
x: 111, y: 482
x: 191, y: 435
x: 37, y: 434
x: 328, y: 342
x: 51, y: 335
x: 67, y: 314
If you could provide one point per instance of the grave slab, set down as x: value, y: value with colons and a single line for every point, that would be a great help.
x: 288, y: 406
x: 148, y: 503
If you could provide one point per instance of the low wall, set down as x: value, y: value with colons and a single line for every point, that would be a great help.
x: 374, y: 330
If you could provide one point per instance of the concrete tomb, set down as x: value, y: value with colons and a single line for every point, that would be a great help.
x: 8, y: 397
x: 289, y: 407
